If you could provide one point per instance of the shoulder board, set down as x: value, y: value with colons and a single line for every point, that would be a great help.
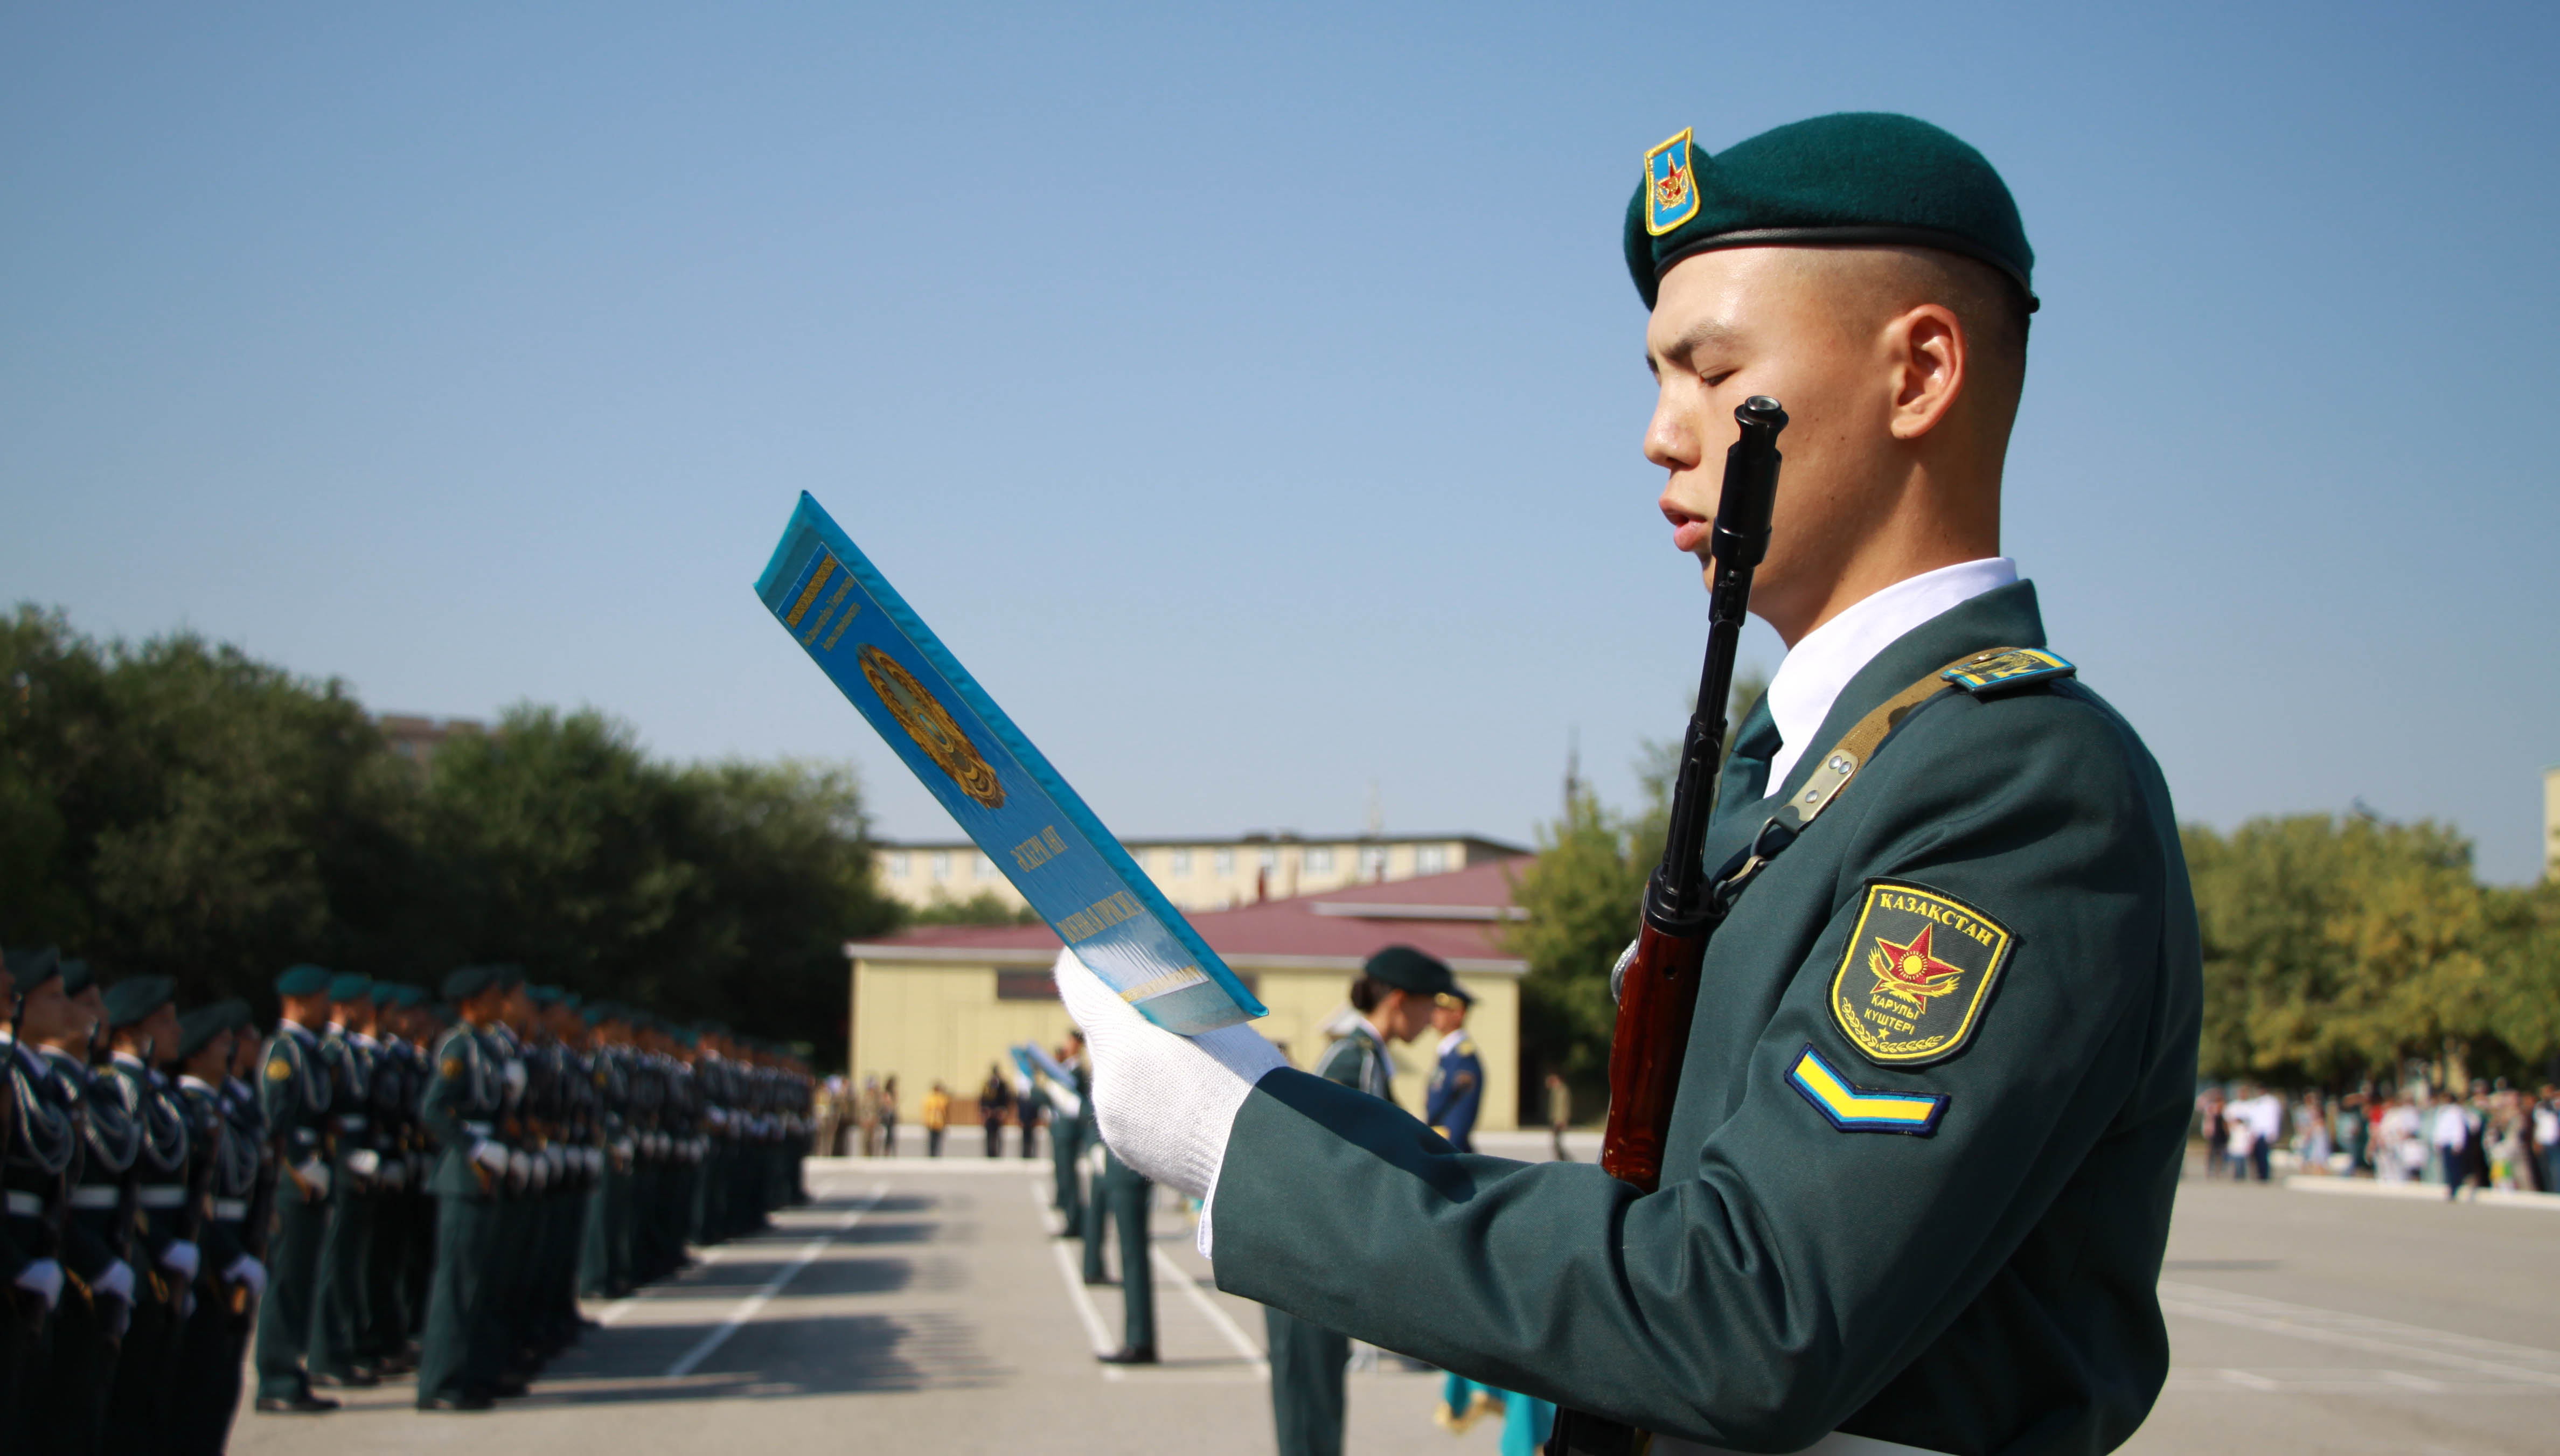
x: 2006, y: 668
x: 1466, y: 1047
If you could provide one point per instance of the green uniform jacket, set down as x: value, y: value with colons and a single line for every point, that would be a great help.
x: 1988, y: 1287
x: 293, y: 1095
x: 462, y: 1094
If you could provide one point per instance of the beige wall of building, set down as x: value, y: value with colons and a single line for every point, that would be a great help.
x: 2551, y: 823
x: 928, y: 1020
x: 1196, y: 875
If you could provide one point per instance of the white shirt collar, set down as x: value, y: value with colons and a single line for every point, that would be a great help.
x: 1810, y: 681
x: 196, y: 1083
x: 1449, y: 1042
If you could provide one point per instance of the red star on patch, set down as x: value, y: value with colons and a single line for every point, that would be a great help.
x: 1910, y: 971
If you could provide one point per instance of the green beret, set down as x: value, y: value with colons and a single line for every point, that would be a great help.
x: 351, y: 986
x: 1853, y: 178
x: 236, y: 1014
x: 30, y: 969
x: 198, y: 1027
x: 1408, y: 969
x: 542, y: 995
x: 412, y: 997
x: 134, y: 998
x: 304, y: 980
x: 571, y: 1000
x: 508, y: 977
x: 442, y: 1011
x: 76, y: 976
x: 468, y: 982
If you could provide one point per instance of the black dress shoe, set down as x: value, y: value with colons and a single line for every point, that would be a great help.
x: 511, y: 1387
x: 1134, y: 1354
x: 305, y: 1403
x: 357, y: 1378
x: 1105, y: 1282
x: 472, y: 1402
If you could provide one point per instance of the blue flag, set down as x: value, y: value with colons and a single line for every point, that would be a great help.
x: 844, y: 614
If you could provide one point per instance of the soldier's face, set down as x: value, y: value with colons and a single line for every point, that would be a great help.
x: 1447, y: 1019
x: 1811, y: 328
x: 160, y: 1028
x: 49, y: 1015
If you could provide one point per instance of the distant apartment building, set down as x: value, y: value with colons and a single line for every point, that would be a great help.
x: 416, y: 737
x: 1201, y: 873
x: 2551, y: 822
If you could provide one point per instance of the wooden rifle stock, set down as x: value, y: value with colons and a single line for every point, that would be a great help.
x: 1657, y: 993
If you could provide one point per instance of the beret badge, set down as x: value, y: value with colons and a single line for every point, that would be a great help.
x: 1671, y: 185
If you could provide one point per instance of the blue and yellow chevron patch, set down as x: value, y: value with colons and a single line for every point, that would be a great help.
x: 1857, y: 1109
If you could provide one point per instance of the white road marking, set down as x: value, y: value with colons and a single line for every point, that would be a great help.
x: 2360, y: 1331
x: 1236, y: 1337
x: 1076, y: 1294
x: 747, y: 1307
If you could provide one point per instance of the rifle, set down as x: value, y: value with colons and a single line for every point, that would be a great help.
x: 1658, y: 988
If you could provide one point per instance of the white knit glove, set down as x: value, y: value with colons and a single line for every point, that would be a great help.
x: 315, y: 1178
x: 1165, y: 1102
x: 116, y: 1282
x: 364, y: 1164
x: 248, y: 1271
x: 490, y: 1156
x: 181, y: 1258
x: 42, y: 1278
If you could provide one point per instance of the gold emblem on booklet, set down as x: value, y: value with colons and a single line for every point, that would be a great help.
x: 931, y: 725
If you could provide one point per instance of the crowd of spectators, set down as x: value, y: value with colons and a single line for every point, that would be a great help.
x: 2494, y: 1136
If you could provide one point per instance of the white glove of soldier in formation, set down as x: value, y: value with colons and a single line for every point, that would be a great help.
x: 364, y: 1164
x: 491, y: 1158
x: 315, y: 1178
x: 42, y: 1278
x: 1165, y: 1102
x: 248, y: 1271
x: 182, y: 1260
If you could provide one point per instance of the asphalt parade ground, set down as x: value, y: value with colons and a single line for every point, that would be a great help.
x: 923, y: 1305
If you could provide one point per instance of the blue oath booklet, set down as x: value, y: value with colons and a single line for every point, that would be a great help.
x: 1004, y: 794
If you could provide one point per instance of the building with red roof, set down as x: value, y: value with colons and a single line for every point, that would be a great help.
x: 943, y: 1003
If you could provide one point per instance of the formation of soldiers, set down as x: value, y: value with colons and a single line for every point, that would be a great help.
x: 377, y: 1188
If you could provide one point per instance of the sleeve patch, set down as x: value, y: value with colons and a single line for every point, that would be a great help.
x: 1851, y: 1108
x: 277, y: 1069
x: 449, y: 1068
x: 1917, y: 975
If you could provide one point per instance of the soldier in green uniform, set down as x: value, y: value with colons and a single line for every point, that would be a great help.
x: 1394, y: 998
x: 66, y: 1403
x: 1935, y: 1094
x: 1066, y: 1137
x: 338, y: 1308
x: 395, y: 1082
x: 1122, y: 1197
x: 461, y: 1361
x: 161, y: 1236
x: 44, y: 1151
x: 294, y: 1093
x: 205, y: 1379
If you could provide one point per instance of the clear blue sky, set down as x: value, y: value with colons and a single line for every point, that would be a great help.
x: 1252, y: 396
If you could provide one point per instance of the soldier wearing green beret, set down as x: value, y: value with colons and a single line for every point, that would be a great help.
x: 1393, y: 999
x: 159, y: 1233
x: 222, y: 1176
x: 394, y: 1082
x: 338, y: 1312
x: 44, y: 1153
x: 294, y: 1099
x: 1934, y: 1093
x: 461, y: 1358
